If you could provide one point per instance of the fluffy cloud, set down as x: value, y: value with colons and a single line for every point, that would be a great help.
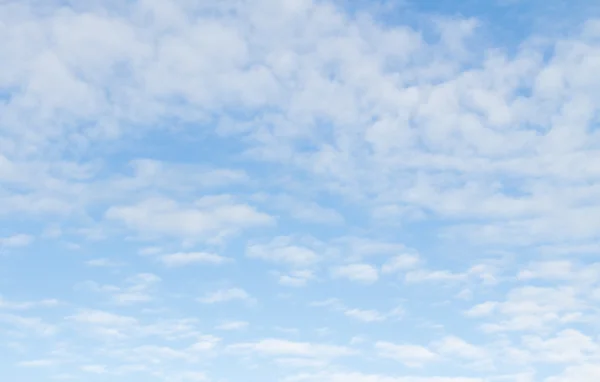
x: 444, y: 166
x: 186, y: 258
x: 363, y: 273
x: 211, y: 218
x: 533, y: 308
x: 282, y: 250
x: 400, y: 263
x: 409, y: 355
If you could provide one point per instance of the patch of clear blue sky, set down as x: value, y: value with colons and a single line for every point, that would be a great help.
x: 508, y: 22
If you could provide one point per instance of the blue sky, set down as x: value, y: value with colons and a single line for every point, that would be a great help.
x: 299, y: 191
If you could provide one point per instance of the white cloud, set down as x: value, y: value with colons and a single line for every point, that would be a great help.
x: 23, y: 305
x: 453, y: 346
x: 232, y: 325
x: 225, y: 295
x: 532, y: 309
x: 365, y: 315
x: 192, y: 376
x: 147, y: 251
x: 306, y: 211
x: 582, y: 373
x: 102, y: 263
x: 298, y: 278
x: 37, y: 363
x: 210, y: 218
x: 560, y: 270
x: 205, y: 343
x: 16, y: 241
x: 422, y: 275
x: 554, y: 270
x: 180, y: 259
x: 568, y: 346
x: 29, y: 325
x: 120, y: 121
x: 97, y: 317
x: 400, y: 263
x: 137, y: 289
x: 94, y: 369
x: 301, y: 363
x: 161, y: 175
x: 277, y: 347
x: 483, y: 309
x: 409, y: 355
x: 364, y: 273
x: 332, y: 303
x: 281, y: 250
x: 361, y: 377
x: 357, y: 248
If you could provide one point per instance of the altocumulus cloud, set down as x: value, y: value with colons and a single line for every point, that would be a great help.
x: 299, y: 190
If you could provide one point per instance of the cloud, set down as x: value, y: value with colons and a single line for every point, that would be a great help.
x: 16, y: 241
x: 225, y: 295
x: 363, y: 273
x: 277, y: 347
x: 482, y: 309
x: 232, y: 325
x: 301, y: 363
x: 422, y: 275
x: 453, y: 346
x: 298, y: 278
x: 211, y: 218
x: 37, y: 363
x: 409, y: 355
x: 282, y: 250
x: 532, y: 308
x: 24, y: 305
x: 94, y: 369
x: 560, y: 270
x: 400, y: 263
x: 205, y: 343
x: 96, y: 317
x: 173, y: 176
x: 311, y: 142
x: 568, y: 346
x: 136, y: 289
x: 358, y: 248
x: 103, y: 263
x: 129, y: 334
x: 332, y: 303
x: 583, y: 373
x: 365, y: 315
x: 307, y: 211
x: 361, y: 377
x: 29, y: 325
x: 180, y: 259
x: 192, y: 376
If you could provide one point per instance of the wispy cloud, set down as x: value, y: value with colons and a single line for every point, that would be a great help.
x: 225, y: 295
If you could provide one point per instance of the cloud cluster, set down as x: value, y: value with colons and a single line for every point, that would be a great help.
x: 396, y: 187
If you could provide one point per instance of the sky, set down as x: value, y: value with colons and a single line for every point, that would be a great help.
x: 299, y: 191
